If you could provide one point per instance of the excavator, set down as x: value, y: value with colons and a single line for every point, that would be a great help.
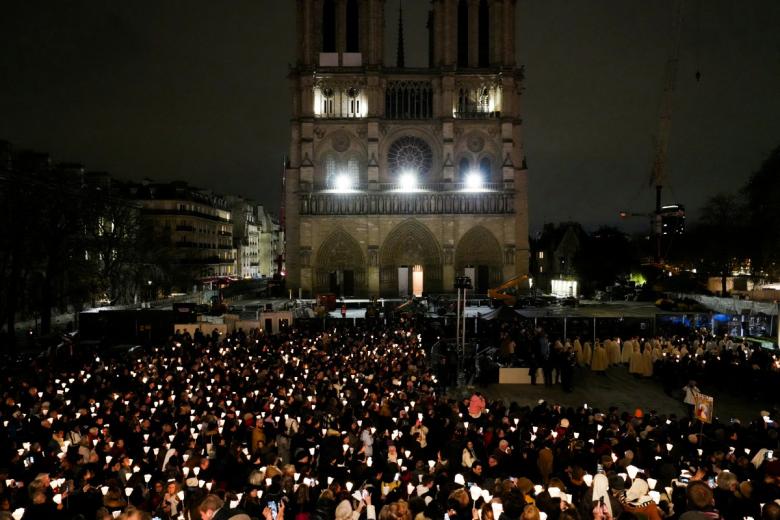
x: 500, y: 295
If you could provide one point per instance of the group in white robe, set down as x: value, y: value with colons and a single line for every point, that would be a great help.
x: 628, y: 349
x: 587, y: 353
x: 599, y: 363
x: 613, y: 352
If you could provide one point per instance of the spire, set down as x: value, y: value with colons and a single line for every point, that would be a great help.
x: 400, y: 61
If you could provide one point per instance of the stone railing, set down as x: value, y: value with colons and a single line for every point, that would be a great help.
x: 414, y: 203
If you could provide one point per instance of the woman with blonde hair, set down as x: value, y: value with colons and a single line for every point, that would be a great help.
x: 531, y: 512
x: 131, y: 513
x: 396, y: 511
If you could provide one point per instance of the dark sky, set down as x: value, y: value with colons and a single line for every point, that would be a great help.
x: 196, y: 90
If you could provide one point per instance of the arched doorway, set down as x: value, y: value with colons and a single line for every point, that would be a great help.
x: 340, y: 267
x: 410, y: 258
x: 478, y: 255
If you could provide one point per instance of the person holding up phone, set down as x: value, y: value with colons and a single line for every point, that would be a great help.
x: 345, y: 511
x: 603, y: 507
x: 213, y: 508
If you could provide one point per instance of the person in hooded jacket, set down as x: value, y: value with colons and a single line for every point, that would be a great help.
x: 637, y: 501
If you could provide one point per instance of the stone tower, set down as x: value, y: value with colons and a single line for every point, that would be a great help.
x: 401, y: 178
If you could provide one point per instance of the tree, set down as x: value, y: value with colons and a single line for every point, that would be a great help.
x: 720, y: 236
x: 763, y: 214
x: 606, y: 257
x: 22, y: 252
x: 113, y: 234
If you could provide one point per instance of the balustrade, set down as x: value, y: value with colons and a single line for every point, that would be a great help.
x: 415, y: 203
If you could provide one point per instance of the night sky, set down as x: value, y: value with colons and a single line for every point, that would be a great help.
x: 197, y: 90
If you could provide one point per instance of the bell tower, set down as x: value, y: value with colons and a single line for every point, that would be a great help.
x: 331, y: 32
x: 473, y: 33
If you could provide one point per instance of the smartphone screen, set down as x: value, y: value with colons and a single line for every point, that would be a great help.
x: 274, y: 508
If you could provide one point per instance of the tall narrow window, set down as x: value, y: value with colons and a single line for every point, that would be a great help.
x: 463, y: 33
x: 353, y: 26
x: 329, y: 26
x: 353, y: 170
x: 485, y: 169
x: 330, y: 170
x: 463, y: 169
x: 484, y: 34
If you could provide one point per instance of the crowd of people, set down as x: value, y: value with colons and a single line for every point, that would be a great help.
x: 348, y: 425
x: 674, y: 360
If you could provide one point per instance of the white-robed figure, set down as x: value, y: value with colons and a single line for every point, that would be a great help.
x: 635, y: 365
x: 658, y: 353
x: 628, y: 349
x: 599, y: 363
x: 647, y: 361
x: 578, y: 355
x: 613, y: 352
x: 587, y: 353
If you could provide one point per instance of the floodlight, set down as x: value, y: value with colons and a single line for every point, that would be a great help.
x: 343, y: 183
x: 474, y: 180
x: 407, y: 181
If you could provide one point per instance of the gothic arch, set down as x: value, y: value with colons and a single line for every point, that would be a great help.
x: 476, y: 146
x: 486, y: 167
x: 464, y: 167
x: 463, y: 33
x: 343, y: 151
x: 484, y: 34
x: 339, y: 252
x: 353, y: 26
x: 328, y: 26
x: 408, y: 244
x: 479, y: 247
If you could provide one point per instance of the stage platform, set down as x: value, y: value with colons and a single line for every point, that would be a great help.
x: 518, y: 376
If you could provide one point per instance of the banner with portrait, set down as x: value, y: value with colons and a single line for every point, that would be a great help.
x: 703, y: 407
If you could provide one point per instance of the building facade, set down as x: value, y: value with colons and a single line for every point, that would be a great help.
x: 553, y: 256
x: 271, y: 241
x: 401, y: 178
x: 246, y: 238
x: 198, y: 223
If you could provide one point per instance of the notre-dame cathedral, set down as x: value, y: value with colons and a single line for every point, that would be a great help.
x: 398, y: 178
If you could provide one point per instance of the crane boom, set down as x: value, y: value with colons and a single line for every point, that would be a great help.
x: 499, y: 293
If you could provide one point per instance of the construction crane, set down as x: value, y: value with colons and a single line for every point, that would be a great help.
x: 500, y: 294
x: 658, y: 175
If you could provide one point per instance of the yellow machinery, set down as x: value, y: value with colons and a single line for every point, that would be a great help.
x: 501, y: 294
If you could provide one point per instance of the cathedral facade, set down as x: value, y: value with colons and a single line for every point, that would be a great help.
x: 399, y: 179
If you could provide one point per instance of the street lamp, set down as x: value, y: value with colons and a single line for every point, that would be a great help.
x: 462, y: 284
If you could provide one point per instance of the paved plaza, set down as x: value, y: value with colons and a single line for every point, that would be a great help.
x: 627, y: 392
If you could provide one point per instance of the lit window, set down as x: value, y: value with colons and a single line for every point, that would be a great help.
x: 541, y: 254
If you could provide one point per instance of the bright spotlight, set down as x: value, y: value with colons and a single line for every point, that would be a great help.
x: 343, y: 183
x: 407, y: 181
x: 474, y: 180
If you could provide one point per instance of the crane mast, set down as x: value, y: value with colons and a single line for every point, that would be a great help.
x: 661, y: 152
